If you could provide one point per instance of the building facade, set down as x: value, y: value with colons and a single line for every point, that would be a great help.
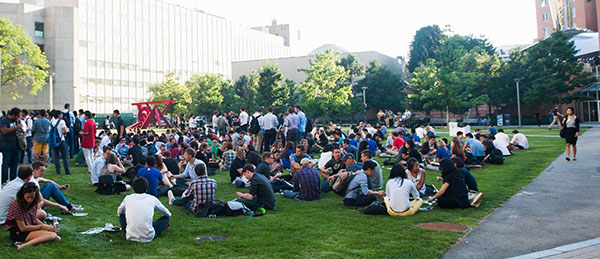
x: 106, y: 53
x: 564, y: 14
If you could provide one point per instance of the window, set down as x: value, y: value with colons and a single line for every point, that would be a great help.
x: 544, y: 3
x: 545, y: 17
x: 39, y: 29
x: 573, y: 13
x: 546, y: 32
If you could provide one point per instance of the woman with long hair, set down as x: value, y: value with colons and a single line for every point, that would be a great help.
x: 571, y: 133
x: 398, y: 189
x: 457, y: 149
x: 416, y: 174
x: 454, y: 193
x: 287, y: 151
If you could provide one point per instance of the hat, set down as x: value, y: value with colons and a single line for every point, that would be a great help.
x: 305, y: 161
x: 348, y: 155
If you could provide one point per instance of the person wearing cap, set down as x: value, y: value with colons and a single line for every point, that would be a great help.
x: 306, y: 183
x: 359, y: 194
x: 260, y: 193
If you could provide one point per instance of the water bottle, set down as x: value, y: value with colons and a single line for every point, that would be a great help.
x: 55, y: 224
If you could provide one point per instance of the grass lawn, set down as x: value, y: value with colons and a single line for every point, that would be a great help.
x: 297, y: 229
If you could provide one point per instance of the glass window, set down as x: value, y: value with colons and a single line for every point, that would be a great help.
x: 573, y: 15
x: 39, y: 29
x: 546, y: 32
x: 544, y: 3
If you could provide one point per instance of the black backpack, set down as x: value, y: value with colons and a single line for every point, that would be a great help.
x: 67, y: 118
x: 496, y: 157
x: 309, y: 126
x: 254, y: 127
x: 106, y: 185
x: 77, y: 126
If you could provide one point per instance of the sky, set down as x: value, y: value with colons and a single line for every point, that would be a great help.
x: 384, y: 26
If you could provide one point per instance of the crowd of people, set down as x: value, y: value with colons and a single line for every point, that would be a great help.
x: 264, y: 155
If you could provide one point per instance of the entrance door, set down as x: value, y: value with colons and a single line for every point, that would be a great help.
x: 590, y: 111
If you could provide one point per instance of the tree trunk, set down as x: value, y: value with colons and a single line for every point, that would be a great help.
x: 447, y: 115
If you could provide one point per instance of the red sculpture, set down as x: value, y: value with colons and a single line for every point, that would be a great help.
x: 148, y: 114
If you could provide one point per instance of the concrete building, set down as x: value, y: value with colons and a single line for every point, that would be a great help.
x: 565, y: 14
x: 106, y: 53
x: 289, y: 34
x: 289, y: 66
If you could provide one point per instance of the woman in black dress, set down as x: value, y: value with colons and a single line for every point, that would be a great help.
x: 454, y: 193
x: 571, y: 132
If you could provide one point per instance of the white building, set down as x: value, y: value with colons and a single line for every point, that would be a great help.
x: 106, y: 53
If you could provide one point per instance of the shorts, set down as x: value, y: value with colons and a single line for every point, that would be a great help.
x: 17, y: 235
x: 40, y: 148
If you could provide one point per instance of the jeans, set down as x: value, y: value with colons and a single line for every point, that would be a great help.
x: 360, y: 201
x: 61, y: 152
x: 251, y: 204
x: 76, y: 138
x: 50, y: 190
x: 281, y: 185
x: 10, y: 161
x: 301, y: 135
x: 291, y: 194
x: 70, y: 144
x: 186, y: 202
x: 159, y: 225
x: 28, y: 151
x: 88, y: 153
x: 325, y: 187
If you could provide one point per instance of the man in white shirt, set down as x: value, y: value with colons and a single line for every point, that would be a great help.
x: 215, y: 122
x: 192, y: 122
x: 420, y: 131
x: 99, y: 163
x: 61, y: 150
x: 501, y: 145
x: 27, y: 126
x: 10, y: 190
x: 519, y: 140
x: 243, y: 119
x: 136, y: 213
x: 270, y: 124
x: 502, y: 136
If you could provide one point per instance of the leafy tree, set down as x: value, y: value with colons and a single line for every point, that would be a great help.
x: 324, y: 91
x: 353, y: 66
x: 426, y: 42
x: 270, y: 92
x: 171, y: 89
x: 386, y: 90
x: 293, y: 97
x: 206, y: 92
x: 23, y: 63
x: 553, y: 71
x: 231, y: 100
x: 246, y: 90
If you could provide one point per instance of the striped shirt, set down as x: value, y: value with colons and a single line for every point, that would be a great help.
x: 203, y: 190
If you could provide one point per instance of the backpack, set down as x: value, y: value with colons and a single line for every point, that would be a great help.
x: 254, y: 127
x: 106, y: 185
x: 53, y: 137
x: 340, y: 183
x: 77, y: 126
x: 309, y: 126
x: 21, y: 140
x: 496, y: 157
x: 132, y: 171
x: 151, y: 148
x: 67, y: 118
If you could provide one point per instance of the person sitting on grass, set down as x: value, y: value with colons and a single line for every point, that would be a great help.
x: 51, y: 190
x: 296, y: 158
x: 99, y: 164
x: 306, y: 183
x: 10, y: 190
x: 136, y: 213
x: 475, y: 146
x: 377, y: 178
x: 399, y: 189
x: 519, y: 140
x: 151, y: 174
x: 201, y: 192
x: 469, y: 178
x: 416, y: 175
x: 114, y: 168
x: 359, y: 194
x: 22, y: 221
x: 260, y: 193
x: 335, y: 164
x: 454, y: 193
x: 190, y: 162
x: 441, y: 152
x: 274, y: 177
x: 428, y: 150
x: 409, y: 150
x: 397, y: 144
x: 235, y: 170
x: 228, y: 156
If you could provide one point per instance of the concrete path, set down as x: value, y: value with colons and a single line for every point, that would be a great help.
x: 559, y: 207
x: 580, y: 250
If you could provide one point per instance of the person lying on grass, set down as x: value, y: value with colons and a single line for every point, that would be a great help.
x: 136, y: 213
x: 454, y: 193
x: 22, y: 221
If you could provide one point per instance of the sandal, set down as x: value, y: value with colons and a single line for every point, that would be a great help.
x: 17, y: 245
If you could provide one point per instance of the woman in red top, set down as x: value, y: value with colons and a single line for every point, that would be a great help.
x: 22, y: 222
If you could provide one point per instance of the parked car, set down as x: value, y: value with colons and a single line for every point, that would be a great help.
x: 201, y: 121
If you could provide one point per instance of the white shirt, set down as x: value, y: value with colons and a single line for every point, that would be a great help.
x: 59, y: 127
x: 269, y: 121
x: 189, y: 169
x: 192, y: 123
x: 98, y: 164
x: 243, y: 118
x: 28, y: 126
x: 521, y: 140
x: 7, y: 195
x: 416, y: 180
x: 105, y: 141
x: 398, y: 194
x: 420, y: 132
x: 502, y: 146
x: 139, y: 212
x: 215, y: 121
x: 502, y: 136
x: 372, y: 130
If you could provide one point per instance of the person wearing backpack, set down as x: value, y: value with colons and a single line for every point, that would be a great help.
x: 358, y: 193
x: 57, y: 141
x: 255, y: 129
x: 69, y: 118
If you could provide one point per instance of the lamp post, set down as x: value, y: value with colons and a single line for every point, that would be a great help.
x: 518, y: 80
x: 51, y: 76
x: 364, y: 88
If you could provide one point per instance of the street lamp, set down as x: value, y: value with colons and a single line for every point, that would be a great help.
x: 518, y: 80
x: 50, y: 80
x: 364, y: 88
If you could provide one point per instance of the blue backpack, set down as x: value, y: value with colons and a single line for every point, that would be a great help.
x: 53, y: 137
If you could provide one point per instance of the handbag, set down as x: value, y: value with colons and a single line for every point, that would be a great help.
x: 562, y: 132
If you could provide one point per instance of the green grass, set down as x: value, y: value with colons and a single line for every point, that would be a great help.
x: 323, y: 228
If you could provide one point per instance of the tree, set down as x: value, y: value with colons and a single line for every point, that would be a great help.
x: 246, y: 90
x: 293, y: 97
x: 426, y: 42
x: 171, y: 89
x: 23, y: 63
x: 270, y: 92
x: 323, y: 91
x: 206, y: 92
x: 353, y: 66
x: 553, y: 71
x: 386, y: 90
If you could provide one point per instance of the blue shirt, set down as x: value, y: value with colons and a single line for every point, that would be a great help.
x: 493, y: 131
x: 302, y: 119
x: 372, y: 146
x: 442, y: 153
x: 153, y: 176
x: 415, y: 138
x: 353, y: 142
x: 351, y: 150
x: 295, y: 158
x: 475, y: 146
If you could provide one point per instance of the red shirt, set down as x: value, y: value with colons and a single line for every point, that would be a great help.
x: 87, y: 141
x: 398, y: 143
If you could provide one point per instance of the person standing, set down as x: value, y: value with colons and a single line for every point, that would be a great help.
x: 291, y: 123
x: 61, y: 150
x: 243, y: 119
x: 537, y: 118
x: 270, y: 124
x: 121, y: 132
x: 571, y: 128
x: 28, y: 124
x: 69, y: 120
x: 256, y: 129
x: 302, y: 122
x: 8, y: 143
x: 88, y: 135
x: 555, y: 118
x: 40, y: 130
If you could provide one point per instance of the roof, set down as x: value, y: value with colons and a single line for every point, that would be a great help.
x: 593, y: 87
x: 586, y: 43
x: 328, y: 47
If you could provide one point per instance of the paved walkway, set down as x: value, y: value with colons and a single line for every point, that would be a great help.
x: 559, y: 207
x: 580, y: 250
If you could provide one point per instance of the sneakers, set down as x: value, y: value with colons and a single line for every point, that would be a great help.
x: 171, y: 197
x: 475, y: 199
x: 77, y: 207
x: 567, y: 158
